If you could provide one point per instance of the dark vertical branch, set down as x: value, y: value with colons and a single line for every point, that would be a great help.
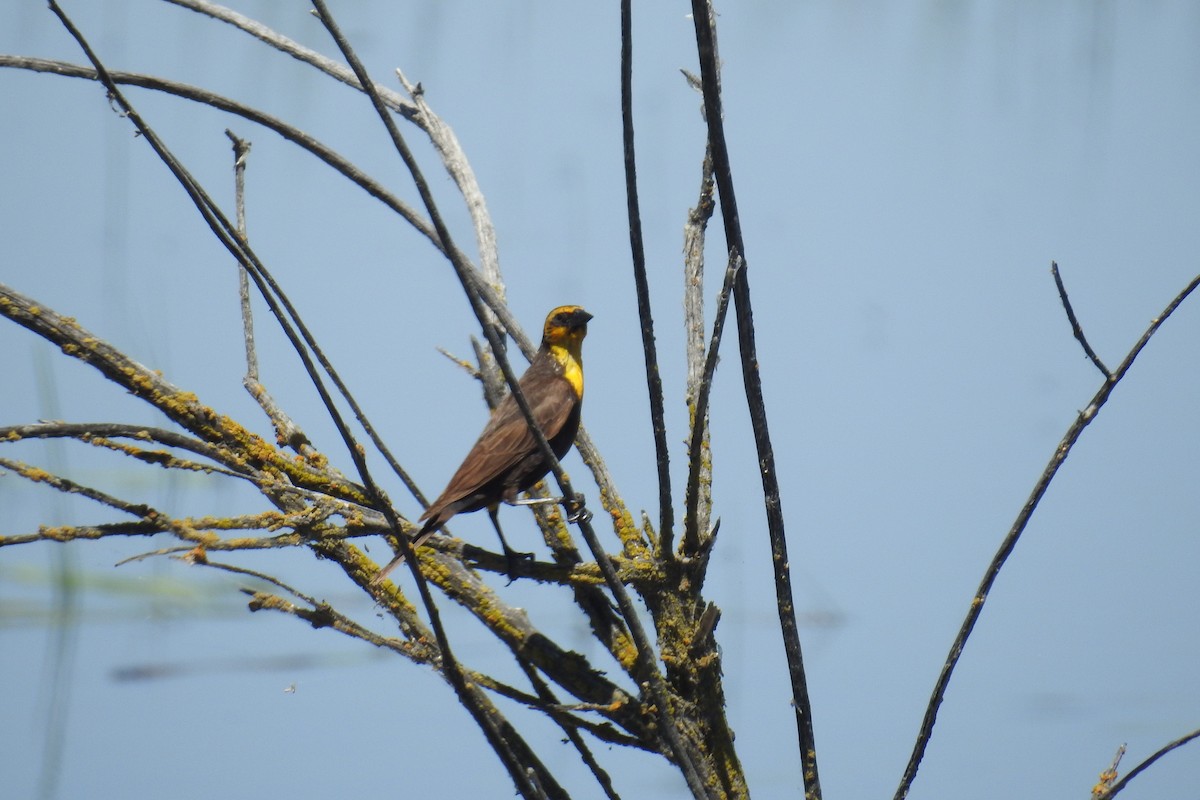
x: 702, y: 15
x: 666, y: 517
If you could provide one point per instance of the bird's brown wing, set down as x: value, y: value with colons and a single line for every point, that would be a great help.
x: 506, y: 441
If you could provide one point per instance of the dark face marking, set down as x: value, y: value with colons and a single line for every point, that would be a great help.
x: 573, y: 318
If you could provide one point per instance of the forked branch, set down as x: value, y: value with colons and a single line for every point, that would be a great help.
x: 1082, y: 420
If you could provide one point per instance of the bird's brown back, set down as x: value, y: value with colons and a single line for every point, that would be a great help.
x: 506, y: 460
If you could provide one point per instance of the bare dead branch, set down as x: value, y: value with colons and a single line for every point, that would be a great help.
x: 456, y: 164
x: 241, y: 152
x: 694, y: 231
x: 68, y: 486
x: 699, y: 459
x: 321, y: 615
x: 101, y: 434
x: 341, y: 72
x: 568, y: 712
x: 1082, y: 420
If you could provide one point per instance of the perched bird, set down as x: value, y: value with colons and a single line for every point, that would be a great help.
x: 506, y: 459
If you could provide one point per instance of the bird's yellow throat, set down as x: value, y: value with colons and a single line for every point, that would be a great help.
x: 569, y: 356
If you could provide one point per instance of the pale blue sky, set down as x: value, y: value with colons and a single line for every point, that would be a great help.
x: 906, y: 173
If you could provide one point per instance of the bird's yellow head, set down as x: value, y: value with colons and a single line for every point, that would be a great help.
x: 565, y: 327
x: 563, y: 336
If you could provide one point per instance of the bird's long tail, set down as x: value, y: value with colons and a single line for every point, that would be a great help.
x: 417, y: 541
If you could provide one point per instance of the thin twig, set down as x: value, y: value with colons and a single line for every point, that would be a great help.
x: 703, y: 17
x: 456, y: 164
x: 1076, y: 328
x: 287, y: 432
x: 197, y: 532
x: 68, y: 486
x: 162, y: 458
x: 282, y: 43
x: 241, y: 151
x: 565, y: 713
x: 262, y: 576
x: 101, y: 434
x: 1162, y: 751
x: 322, y: 615
x: 1082, y: 420
x: 490, y: 377
x: 569, y: 725
x: 1109, y: 776
x: 691, y: 529
x: 245, y: 543
x: 70, y: 533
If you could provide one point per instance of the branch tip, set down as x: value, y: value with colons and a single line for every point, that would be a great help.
x: 1076, y: 328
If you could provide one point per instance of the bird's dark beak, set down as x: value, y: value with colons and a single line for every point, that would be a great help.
x: 580, y: 317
